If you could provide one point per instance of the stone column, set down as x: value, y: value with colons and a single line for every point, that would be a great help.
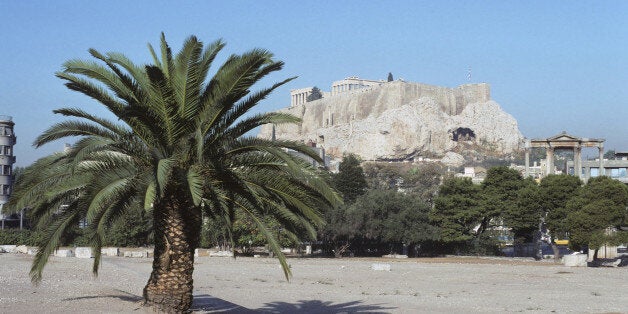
x: 550, y: 159
x: 577, y: 161
x: 527, y: 160
x: 601, y: 151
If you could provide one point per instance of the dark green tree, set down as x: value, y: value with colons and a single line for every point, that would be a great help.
x: 131, y: 228
x: 350, y: 180
x: 599, y: 207
x: 178, y: 149
x: 609, y: 154
x: 556, y: 191
x: 315, y: 94
x: 391, y: 217
x: 383, y: 175
x: 422, y: 180
x: 390, y: 77
x: 500, y: 191
x: 524, y: 217
x: 340, y: 230
x: 456, y: 211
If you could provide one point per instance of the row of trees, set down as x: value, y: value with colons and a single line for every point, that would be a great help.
x: 584, y: 214
x: 403, y: 208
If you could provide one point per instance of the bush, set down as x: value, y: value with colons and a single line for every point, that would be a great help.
x: 485, y: 244
x: 19, y: 237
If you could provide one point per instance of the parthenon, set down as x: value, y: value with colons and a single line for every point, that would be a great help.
x: 352, y: 83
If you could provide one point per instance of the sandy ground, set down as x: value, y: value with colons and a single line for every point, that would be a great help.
x: 252, y: 285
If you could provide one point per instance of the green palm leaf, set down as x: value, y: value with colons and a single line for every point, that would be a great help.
x: 179, y: 149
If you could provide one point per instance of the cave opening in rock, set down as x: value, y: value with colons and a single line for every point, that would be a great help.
x: 463, y: 134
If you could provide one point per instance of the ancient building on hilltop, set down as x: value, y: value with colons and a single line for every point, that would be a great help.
x: 399, y: 120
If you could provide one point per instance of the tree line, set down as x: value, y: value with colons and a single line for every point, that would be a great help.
x: 421, y: 211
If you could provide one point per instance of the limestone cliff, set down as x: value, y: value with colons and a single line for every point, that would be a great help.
x: 399, y: 120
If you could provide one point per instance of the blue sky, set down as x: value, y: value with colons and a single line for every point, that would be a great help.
x: 553, y: 65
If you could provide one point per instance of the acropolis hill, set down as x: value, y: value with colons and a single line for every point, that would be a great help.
x: 401, y: 120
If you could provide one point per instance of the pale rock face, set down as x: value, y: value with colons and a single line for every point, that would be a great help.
x: 399, y: 120
x: 452, y: 159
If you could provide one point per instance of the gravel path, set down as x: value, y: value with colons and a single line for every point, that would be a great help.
x: 251, y: 285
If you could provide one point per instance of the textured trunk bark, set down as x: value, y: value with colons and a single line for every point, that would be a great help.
x: 594, y: 254
x: 556, y: 251
x: 177, y: 227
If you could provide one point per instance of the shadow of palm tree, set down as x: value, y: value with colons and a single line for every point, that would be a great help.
x: 207, y: 303
x: 123, y: 296
x: 317, y: 306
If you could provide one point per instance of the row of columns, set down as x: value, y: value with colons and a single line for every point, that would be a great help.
x: 298, y: 99
x: 549, y: 149
x: 345, y: 88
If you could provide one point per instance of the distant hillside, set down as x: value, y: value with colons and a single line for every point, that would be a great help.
x: 399, y: 121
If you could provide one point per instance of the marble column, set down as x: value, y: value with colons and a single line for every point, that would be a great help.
x: 577, y: 161
x: 527, y: 171
x: 601, y: 152
x: 550, y: 160
x: 527, y: 160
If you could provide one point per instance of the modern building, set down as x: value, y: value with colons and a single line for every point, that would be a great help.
x: 616, y: 168
x: 7, y: 159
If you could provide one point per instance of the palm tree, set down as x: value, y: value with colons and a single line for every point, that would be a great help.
x: 180, y: 150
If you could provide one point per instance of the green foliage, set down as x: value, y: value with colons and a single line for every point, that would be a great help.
x: 456, y: 210
x: 315, y: 94
x: 390, y: 77
x: 341, y: 228
x: 179, y: 142
x: 468, y: 214
x: 600, y: 205
x: 484, y: 244
x: 383, y: 176
x: 350, y: 180
x: 500, y: 189
x: 245, y: 233
x: 132, y: 229
x: 390, y: 216
x: 525, y: 216
x: 19, y: 237
x: 555, y: 192
x: 380, y: 217
x: 422, y: 180
x: 609, y: 154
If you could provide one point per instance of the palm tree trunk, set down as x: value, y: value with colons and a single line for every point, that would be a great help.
x: 177, y: 228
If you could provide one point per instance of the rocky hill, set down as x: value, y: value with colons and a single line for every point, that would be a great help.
x: 400, y: 121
